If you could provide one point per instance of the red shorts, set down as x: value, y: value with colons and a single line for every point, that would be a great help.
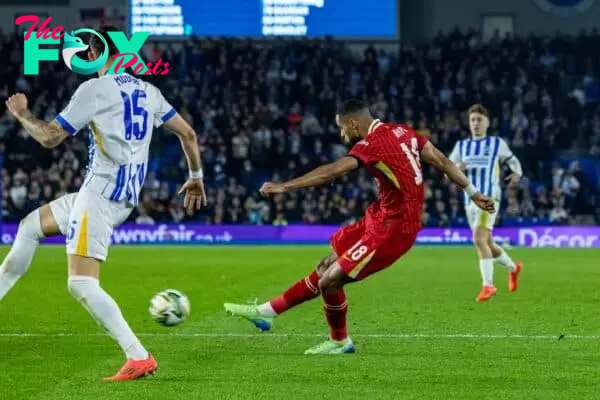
x: 366, y: 247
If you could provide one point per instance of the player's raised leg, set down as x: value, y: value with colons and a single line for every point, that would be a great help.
x: 301, y: 291
x: 502, y: 258
x: 49, y: 220
x: 88, y: 238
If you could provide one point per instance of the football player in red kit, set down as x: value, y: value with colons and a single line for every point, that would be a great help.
x: 392, y: 153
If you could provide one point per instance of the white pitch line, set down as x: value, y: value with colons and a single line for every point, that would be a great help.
x: 209, y: 335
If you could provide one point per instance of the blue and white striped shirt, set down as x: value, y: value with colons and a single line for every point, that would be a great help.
x: 121, y: 112
x: 482, y: 158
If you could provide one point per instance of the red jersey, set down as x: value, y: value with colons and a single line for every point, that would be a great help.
x: 391, y: 154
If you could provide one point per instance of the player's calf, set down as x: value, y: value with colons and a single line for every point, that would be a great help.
x: 486, y: 262
x: 502, y: 258
x: 335, y: 307
x: 83, y: 284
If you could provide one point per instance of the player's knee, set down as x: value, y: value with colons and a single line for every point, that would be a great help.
x: 495, y: 249
x: 328, y: 284
x: 30, y: 227
x: 324, y: 264
x: 480, y: 240
x: 324, y: 285
x: 321, y: 269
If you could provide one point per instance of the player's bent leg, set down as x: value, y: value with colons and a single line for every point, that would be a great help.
x: 502, y: 258
x: 36, y: 226
x: 481, y: 239
x: 261, y: 316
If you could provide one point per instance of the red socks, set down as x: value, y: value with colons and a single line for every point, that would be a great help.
x: 336, y: 308
x: 306, y: 289
x: 301, y: 291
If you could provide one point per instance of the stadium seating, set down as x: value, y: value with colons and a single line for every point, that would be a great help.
x: 265, y: 111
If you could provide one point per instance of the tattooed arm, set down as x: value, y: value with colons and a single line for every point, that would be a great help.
x: 78, y: 113
x: 48, y: 134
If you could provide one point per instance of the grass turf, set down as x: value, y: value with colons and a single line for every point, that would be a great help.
x: 418, y: 332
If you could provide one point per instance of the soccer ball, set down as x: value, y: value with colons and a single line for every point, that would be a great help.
x: 169, y: 307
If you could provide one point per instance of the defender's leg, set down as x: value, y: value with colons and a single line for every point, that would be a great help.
x: 37, y: 225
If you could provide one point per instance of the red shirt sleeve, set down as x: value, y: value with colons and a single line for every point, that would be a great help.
x: 421, y: 141
x: 364, y: 152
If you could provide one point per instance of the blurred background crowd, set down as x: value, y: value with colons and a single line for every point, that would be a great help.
x: 265, y: 111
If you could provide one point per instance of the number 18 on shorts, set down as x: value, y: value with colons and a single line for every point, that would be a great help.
x: 364, y: 252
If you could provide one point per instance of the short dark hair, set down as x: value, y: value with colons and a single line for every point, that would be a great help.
x: 479, y: 109
x: 97, y: 45
x: 351, y: 106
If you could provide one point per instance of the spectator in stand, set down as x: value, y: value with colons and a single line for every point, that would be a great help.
x: 265, y: 110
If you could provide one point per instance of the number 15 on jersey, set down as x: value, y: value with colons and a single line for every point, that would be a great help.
x: 134, y: 128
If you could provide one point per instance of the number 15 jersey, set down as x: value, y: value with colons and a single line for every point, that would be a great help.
x: 121, y: 112
x: 391, y: 154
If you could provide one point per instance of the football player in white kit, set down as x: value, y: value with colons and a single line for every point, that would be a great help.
x: 121, y: 112
x: 480, y: 157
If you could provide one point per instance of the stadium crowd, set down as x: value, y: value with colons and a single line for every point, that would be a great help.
x: 264, y: 110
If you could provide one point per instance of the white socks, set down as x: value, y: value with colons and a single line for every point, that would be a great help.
x: 486, y: 267
x: 507, y: 262
x: 487, y: 271
x: 106, y: 312
x: 266, y: 310
x: 19, y: 257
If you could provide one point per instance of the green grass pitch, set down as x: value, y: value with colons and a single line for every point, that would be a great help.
x: 418, y: 331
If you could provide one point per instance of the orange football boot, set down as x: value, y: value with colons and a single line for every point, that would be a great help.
x: 513, y: 282
x: 135, y: 369
x: 486, y: 292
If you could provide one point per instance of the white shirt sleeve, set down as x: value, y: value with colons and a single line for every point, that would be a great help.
x: 507, y: 156
x: 504, y: 152
x: 81, y: 108
x: 455, y: 156
x: 164, y: 110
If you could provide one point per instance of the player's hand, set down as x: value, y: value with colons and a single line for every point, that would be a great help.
x: 462, y: 166
x: 195, y: 196
x: 16, y: 104
x: 513, y: 180
x: 272, y: 188
x: 484, y: 202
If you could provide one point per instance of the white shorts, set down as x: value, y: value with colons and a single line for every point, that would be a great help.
x: 87, y: 219
x: 478, y: 218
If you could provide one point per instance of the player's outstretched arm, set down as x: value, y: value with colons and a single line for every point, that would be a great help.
x: 48, y: 134
x: 195, y: 195
x: 431, y: 155
x: 316, y: 177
